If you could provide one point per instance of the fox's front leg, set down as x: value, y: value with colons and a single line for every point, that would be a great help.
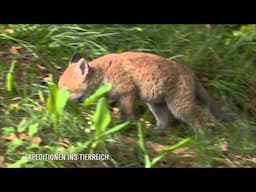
x: 127, y: 106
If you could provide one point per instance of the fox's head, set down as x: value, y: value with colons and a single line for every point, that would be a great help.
x: 75, y: 78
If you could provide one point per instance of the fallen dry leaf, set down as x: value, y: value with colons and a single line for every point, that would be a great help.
x: 48, y: 78
x: 23, y: 136
x: 37, y: 108
x: 36, y: 140
x: 61, y: 149
x: 253, y: 159
x: 58, y: 67
x: 41, y: 67
x: 64, y: 142
x: 10, y: 137
x: 15, y: 49
x: 2, y: 161
x: 8, y: 31
x: 224, y: 146
x: 16, y: 98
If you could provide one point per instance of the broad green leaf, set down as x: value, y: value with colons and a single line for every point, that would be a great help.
x: 51, y: 103
x: 62, y: 99
x: 33, y: 129
x: 116, y: 128
x: 11, y: 69
x: 52, y: 97
x: 100, y: 135
x: 101, y: 116
x: 141, y: 138
x: 9, y: 80
x: 22, y: 125
x: 9, y: 77
x: 55, y: 119
x: 99, y: 92
x: 148, y: 163
x: 178, y: 145
x: 169, y: 149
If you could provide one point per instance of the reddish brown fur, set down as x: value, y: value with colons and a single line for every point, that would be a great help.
x: 164, y: 85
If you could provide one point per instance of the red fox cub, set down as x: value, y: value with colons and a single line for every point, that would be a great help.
x: 165, y: 86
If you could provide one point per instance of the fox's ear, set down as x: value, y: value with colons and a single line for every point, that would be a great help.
x: 75, y: 58
x: 82, y: 67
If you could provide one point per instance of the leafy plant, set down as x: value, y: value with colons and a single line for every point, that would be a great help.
x: 9, y: 77
x: 151, y: 162
x: 101, y: 120
x: 98, y: 93
x: 56, y: 102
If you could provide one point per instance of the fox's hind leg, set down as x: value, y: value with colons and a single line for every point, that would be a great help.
x: 161, y: 114
x: 182, y: 104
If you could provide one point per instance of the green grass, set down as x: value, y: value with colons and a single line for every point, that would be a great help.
x: 33, y: 118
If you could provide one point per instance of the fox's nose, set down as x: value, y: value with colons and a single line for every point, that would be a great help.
x: 78, y: 100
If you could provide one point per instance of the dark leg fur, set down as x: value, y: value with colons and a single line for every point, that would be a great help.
x: 161, y: 114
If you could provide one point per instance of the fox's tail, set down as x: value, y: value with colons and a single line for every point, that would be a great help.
x: 205, y: 98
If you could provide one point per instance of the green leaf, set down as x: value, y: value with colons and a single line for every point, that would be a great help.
x: 12, y: 146
x: 178, y: 145
x: 147, y: 161
x: 41, y: 96
x: 9, y: 80
x: 116, y: 128
x: 141, y: 138
x: 9, y: 77
x: 99, y: 136
x: 169, y: 149
x: 33, y: 129
x: 100, y: 92
x: 33, y: 146
x: 22, y: 125
x: 62, y: 98
x: 77, y: 147
x: 52, y: 97
x: 101, y: 116
x: 82, y: 145
x: 8, y: 130
x: 56, y: 102
x: 18, y: 163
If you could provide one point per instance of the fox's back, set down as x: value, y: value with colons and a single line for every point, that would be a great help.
x: 152, y: 75
x: 140, y: 66
x: 138, y: 60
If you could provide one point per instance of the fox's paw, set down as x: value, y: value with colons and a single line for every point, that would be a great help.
x: 158, y: 132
